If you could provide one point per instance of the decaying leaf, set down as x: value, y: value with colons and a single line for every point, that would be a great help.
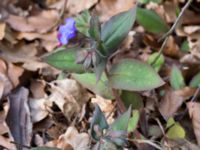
x: 76, y: 6
x: 194, y: 109
x: 108, y: 8
x: 173, y: 100
x: 2, y: 30
x: 106, y: 106
x: 18, y: 118
x: 71, y: 140
x: 42, y: 22
x: 67, y: 94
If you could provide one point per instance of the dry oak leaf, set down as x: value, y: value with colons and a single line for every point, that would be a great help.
x: 41, y: 22
x: 108, y: 8
x: 173, y: 100
x: 194, y: 109
x: 71, y: 140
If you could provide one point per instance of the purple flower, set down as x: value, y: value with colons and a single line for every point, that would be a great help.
x: 67, y: 31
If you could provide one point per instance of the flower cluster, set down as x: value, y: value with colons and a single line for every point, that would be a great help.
x: 67, y: 31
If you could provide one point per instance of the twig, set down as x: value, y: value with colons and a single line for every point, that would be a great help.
x: 166, y: 36
x: 195, y: 94
x: 20, y: 145
x: 147, y: 142
x: 177, y: 20
x: 160, y: 51
x: 160, y: 125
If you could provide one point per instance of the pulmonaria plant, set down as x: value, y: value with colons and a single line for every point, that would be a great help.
x: 88, y: 61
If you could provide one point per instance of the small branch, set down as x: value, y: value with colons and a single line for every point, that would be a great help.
x: 147, y: 142
x: 166, y: 36
x: 177, y: 20
x: 160, y: 51
x: 195, y: 94
x: 20, y: 145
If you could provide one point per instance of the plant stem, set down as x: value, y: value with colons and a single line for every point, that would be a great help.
x: 166, y: 36
x: 119, y: 102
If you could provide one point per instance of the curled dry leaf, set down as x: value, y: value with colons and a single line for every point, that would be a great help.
x: 71, y: 140
x: 67, y: 94
x: 173, y: 100
x: 194, y: 109
x: 42, y: 22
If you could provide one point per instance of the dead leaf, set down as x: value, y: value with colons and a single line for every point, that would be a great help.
x: 76, y: 6
x: 71, y: 140
x: 42, y: 22
x: 14, y: 73
x: 34, y: 35
x: 18, y: 118
x: 173, y: 100
x: 108, y: 8
x: 38, y: 109
x: 106, y: 106
x: 37, y: 89
x: 5, y: 81
x: 6, y: 143
x: 194, y: 109
x: 68, y: 95
x: 2, y: 30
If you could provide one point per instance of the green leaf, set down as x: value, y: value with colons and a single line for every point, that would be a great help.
x: 170, y: 122
x: 115, y: 30
x: 64, y: 59
x: 121, y: 123
x: 95, y: 28
x: 134, y: 75
x: 44, y: 148
x: 195, y: 82
x: 176, y: 132
x: 159, y: 62
x: 88, y: 80
x: 83, y: 23
x: 176, y: 78
x: 133, y: 99
x: 185, y: 46
x: 100, y: 120
x: 133, y: 121
x: 151, y: 21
